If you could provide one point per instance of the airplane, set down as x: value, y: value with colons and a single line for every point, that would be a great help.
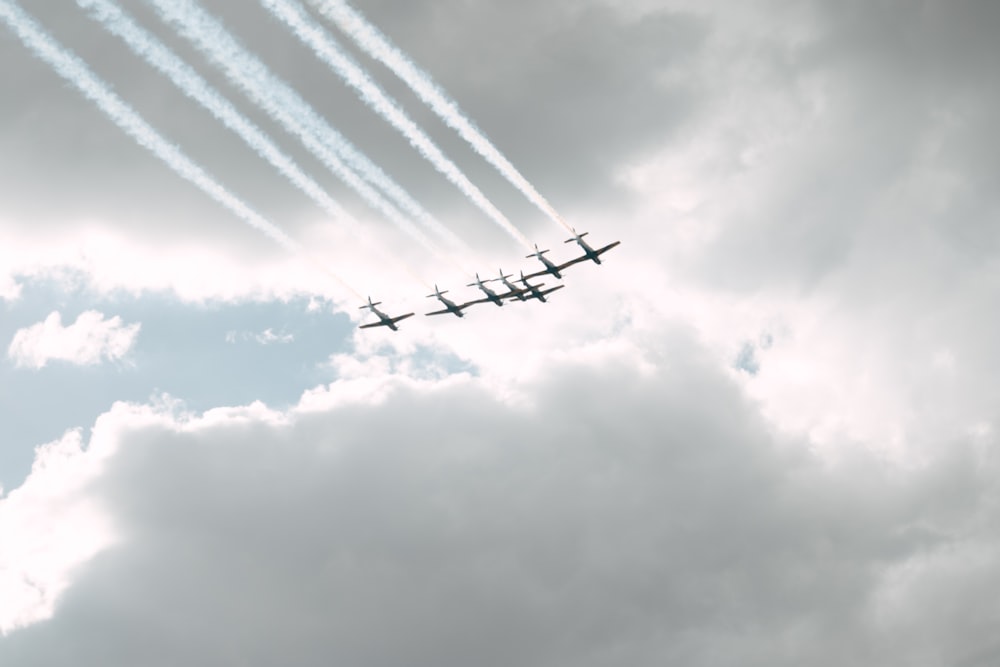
x: 536, y: 291
x: 384, y: 320
x: 550, y: 267
x: 515, y: 291
x: 449, y: 305
x: 490, y: 294
x: 527, y: 292
x: 588, y: 252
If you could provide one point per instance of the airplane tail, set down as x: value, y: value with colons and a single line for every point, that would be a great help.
x: 479, y: 282
x: 537, y: 252
x: 437, y: 293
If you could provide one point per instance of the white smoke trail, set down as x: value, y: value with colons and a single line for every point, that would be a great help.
x: 75, y: 71
x: 293, y: 113
x: 373, y: 42
x: 157, y: 54
x: 326, y: 48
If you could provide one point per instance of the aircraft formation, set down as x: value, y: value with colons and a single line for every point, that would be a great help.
x: 520, y: 290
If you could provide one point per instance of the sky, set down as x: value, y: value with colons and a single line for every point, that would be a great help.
x: 762, y: 432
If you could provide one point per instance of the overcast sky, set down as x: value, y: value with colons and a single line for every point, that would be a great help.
x: 762, y: 432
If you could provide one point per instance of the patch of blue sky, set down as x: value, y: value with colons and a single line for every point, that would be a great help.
x: 204, y: 355
x: 746, y: 360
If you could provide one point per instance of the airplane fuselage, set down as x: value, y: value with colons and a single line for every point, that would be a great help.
x: 518, y: 292
x: 491, y: 295
x: 385, y: 319
x: 589, y: 253
x: 550, y: 267
x: 451, y: 307
x: 537, y: 294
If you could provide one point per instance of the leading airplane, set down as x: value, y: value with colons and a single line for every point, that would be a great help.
x: 588, y: 252
x: 449, y: 305
x: 384, y: 320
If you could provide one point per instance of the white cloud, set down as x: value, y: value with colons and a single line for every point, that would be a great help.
x: 265, y: 337
x: 88, y: 341
x: 49, y: 526
x: 10, y: 290
x: 107, y: 258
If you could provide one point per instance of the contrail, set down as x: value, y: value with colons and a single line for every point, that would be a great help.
x: 373, y: 42
x: 69, y: 66
x: 288, y: 109
x: 329, y: 51
x: 157, y: 54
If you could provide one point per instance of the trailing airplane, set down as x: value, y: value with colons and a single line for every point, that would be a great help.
x: 384, y: 320
x: 588, y: 252
x: 449, y: 305
x: 536, y: 291
x: 550, y: 267
x: 490, y: 294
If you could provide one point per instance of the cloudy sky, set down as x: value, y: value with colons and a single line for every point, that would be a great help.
x: 763, y: 432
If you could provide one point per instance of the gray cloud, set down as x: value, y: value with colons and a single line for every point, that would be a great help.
x: 886, y: 93
x: 443, y: 526
x: 567, y: 89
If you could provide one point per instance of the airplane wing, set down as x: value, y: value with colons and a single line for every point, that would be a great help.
x: 601, y: 251
x: 458, y: 307
x: 551, y: 289
x: 575, y: 260
x: 512, y: 293
x: 559, y: 267
x: 537, y: 273
x: 401, y: 317
x: 385, y: 322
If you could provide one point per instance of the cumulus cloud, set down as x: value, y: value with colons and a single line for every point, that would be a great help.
x: 86, y: 342
x: 619, y: 515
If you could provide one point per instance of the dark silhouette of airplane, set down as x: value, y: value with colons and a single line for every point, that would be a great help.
x: 588, y: 252
x: 384, y: 320
x: 490, y: 294
x: 449, y: 305
x: 536, y: 291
